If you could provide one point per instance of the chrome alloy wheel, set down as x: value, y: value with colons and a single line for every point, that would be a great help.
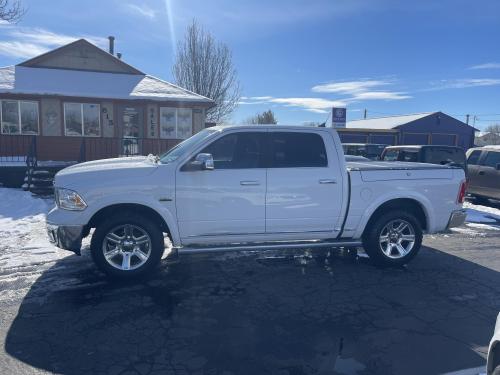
x: 127, y: 247
x: 397, y: 238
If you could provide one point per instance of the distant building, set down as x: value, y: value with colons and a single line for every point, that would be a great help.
x: 79, y: 102
x: 433, y: 128
x: 487, y: 139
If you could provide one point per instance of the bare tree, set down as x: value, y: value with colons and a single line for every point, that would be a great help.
x: 495, y: 128
x: 266, y: 117
x: 11, y: 10
x: 205, y: 67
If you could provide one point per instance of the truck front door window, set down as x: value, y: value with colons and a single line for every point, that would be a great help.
x: 238, y: 151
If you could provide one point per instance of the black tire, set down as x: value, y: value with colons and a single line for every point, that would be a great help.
x: 155, y: 246
x: 372, y: 238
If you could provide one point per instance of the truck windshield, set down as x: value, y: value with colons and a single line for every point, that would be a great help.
x: 179, y: 150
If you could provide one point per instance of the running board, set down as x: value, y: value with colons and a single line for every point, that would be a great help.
x: 268, y: 246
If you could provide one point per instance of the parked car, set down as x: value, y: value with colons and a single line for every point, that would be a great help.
x: 356, y: 158
x: 251, y: 187
x: 368, y: 150
x: 493, y: 364
x: 483, y: 166
x: 441, y: 155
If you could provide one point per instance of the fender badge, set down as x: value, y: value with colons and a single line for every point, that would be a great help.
x: 165, y: 200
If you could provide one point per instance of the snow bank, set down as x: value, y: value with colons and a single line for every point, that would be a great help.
x: 23, y: 239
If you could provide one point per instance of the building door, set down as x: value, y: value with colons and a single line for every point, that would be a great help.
x: 130, y: 128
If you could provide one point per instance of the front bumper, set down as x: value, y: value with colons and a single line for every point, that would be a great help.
x: 68, y: 237
x: 457, y: 218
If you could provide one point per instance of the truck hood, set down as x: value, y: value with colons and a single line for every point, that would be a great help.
x: 111, y: 169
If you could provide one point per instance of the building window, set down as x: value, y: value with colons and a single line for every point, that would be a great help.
x: 82, y: 119
x: 19, y: 117
x: 176, y: 123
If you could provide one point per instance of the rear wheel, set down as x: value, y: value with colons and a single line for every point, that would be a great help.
x: 393, y: 238
x: 127, y: 245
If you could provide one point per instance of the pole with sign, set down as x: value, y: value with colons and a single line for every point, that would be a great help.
x: 338, y: 117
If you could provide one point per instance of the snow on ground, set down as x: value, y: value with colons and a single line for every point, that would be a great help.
x: 23, y: 238
x: 25, y: 251
x: 479, y: 218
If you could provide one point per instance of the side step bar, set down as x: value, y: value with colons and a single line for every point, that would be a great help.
x: 268, y: 246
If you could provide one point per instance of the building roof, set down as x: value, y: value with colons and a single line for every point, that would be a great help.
x: 79, y: 83
x: 390, y: 122
x: 79, y: 48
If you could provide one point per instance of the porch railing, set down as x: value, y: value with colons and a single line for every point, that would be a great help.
x: 20, y: 149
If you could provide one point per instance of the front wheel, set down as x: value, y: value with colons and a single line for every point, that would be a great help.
x: 393, y: 239
x: 127, y: 245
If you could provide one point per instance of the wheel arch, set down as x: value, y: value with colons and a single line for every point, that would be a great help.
x: 405, y: 204
x: 105, y: 212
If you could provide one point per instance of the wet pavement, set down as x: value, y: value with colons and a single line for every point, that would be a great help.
x: 258, y: 313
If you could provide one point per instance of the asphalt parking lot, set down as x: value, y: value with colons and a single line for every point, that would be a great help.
x: 262, y: 313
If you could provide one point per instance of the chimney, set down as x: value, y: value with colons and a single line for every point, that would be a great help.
x: 111, y: 44
x: 119, y: 55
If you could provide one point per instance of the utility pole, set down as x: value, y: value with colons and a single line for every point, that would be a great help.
x: 365, y: 114
x: 467, y: 119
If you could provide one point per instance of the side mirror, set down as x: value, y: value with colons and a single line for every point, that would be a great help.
x: 201, y: 162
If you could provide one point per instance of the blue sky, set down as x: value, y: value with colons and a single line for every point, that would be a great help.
x: 300, y: 58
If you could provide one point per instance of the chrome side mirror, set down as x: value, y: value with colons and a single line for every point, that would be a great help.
x: 205, y: 161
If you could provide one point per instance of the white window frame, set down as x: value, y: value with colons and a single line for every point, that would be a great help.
x: 83, y: 124
x: 19, y: 124
x: 176, y: 121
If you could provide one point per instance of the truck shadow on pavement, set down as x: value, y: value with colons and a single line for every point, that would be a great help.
x: 255, y: 314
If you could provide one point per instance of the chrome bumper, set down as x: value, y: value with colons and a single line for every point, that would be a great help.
x: 457, y: 218
x: 66, y: 237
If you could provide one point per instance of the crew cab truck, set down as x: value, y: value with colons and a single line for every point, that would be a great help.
x: 251, y: 187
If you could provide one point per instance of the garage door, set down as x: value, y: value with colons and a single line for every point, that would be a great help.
x: 415, y: 138
x: 444, y: 139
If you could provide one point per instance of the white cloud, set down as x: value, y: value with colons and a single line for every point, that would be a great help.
x: 491, y: 65
x: 349, y: 87
x: 364, y: 89
x: 379, y: 95
x: 464, y: 83
x: 26, y: 42
x: 309, y: 104
x: 20, y: 49
x: 142, y: 10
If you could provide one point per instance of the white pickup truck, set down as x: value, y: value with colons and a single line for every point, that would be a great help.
x: 251, y: 187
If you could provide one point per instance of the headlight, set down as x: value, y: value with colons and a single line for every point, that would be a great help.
x: 69, y: 200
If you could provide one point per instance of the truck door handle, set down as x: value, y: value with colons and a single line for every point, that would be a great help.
x: 327, y: 181
x: 481, y: 173
x: 249, y: 183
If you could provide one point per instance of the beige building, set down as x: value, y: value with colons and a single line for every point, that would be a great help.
x: 79, y: 102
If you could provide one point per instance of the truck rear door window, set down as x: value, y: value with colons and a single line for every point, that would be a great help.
x: 295, y: 149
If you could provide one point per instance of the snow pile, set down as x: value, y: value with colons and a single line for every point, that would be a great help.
x: 23, y: 239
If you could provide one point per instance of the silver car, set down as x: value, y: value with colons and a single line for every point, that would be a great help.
x: 493, y: 366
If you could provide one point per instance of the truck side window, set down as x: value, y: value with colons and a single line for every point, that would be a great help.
x: 294, y: 149
x: 474, y: 157
x: 238, y: 151
x: 492, y: 159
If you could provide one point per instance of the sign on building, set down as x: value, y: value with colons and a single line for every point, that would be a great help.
x: 338, y: 117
